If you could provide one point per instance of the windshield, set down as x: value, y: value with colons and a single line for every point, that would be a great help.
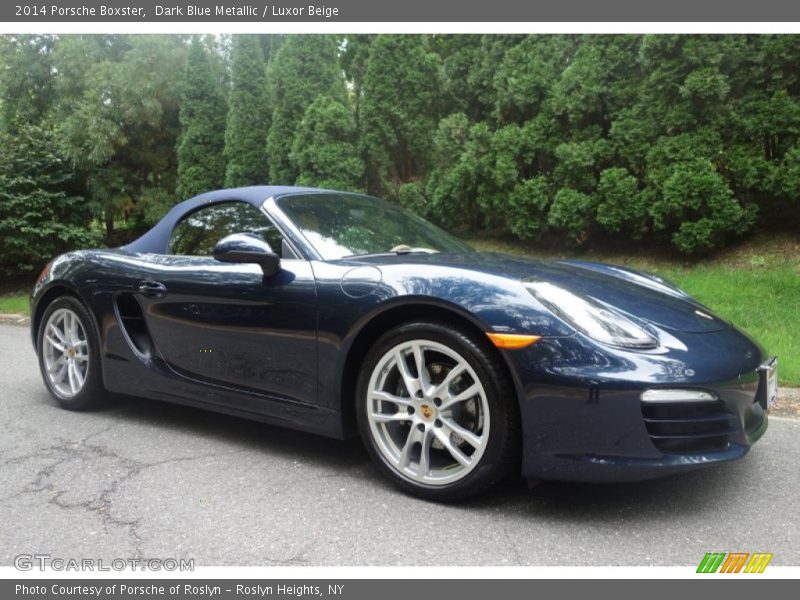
x: 341, y: 225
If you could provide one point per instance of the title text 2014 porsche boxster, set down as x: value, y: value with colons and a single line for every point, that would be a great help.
x: 340, y: 314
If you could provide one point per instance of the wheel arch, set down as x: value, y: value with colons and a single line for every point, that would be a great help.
x: 397, y: 314
x: 54, y: 291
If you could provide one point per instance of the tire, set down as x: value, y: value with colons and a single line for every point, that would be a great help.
x: 462, y: 415
x: 82, y: 388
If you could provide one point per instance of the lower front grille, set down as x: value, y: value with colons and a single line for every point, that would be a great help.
x: 689, y: 427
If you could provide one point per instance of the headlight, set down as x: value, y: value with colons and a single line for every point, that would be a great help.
x: 590, y: 317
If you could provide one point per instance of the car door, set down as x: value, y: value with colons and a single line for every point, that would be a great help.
x: 227, y: 324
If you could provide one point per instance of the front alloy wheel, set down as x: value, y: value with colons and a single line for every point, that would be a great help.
x: 437, y: 411
x: 69, y: 355
x: 66, y: 353
x: 428, y: 412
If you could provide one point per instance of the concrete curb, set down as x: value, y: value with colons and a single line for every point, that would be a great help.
x: 15, y: 319
x: 788, y: 403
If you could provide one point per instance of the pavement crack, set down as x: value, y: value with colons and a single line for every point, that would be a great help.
x: 121, y: 470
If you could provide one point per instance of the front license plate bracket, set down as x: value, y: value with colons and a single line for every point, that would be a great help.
x: 768, y: 383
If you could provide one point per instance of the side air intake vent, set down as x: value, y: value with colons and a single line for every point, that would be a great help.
x: 132, y: 322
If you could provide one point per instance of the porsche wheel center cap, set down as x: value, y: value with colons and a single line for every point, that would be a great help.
x: 426, y: 411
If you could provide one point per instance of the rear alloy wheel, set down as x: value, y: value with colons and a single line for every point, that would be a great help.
x: 68, y: 354
x: 437, y: 412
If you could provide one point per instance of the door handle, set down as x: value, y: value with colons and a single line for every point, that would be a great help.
x: 152, y: 289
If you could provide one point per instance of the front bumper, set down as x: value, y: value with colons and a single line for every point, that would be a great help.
x: 583, y: 418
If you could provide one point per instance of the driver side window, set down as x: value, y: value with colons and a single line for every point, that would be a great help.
x: 199, y: 231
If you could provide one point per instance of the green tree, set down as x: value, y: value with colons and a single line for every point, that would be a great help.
x: 621, y: 208
x: 528, y: 207
x: 595, y: 85
x: 39, y: 216
x: 304, y: 67
x: 571, y: 212
x: 525, y: 77
x: 470, y: 63
x: 579, y: 163
x: 248, y: 115
x: 201, y: 164
x: 400, y: 111
x: 354, y: 57
x: 121, y: 126
x: 458, y: 165
x: 691, y: 139
x: 700, y: 208
x: 325, y: 150
x: 26, y: 79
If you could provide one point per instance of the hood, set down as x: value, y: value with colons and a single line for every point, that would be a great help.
x: 636, y: 294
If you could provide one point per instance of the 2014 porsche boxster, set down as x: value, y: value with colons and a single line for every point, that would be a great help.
x: 342, y: 314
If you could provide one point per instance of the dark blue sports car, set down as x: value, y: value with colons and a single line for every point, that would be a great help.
x: 342, y: 314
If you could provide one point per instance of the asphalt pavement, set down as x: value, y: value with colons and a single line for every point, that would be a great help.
x: 142, y: 479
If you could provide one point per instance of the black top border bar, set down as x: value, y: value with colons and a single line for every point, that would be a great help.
x: 468, y: 11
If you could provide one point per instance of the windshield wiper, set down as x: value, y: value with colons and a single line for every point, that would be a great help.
x: 394, y: 252
x: 404, y: 249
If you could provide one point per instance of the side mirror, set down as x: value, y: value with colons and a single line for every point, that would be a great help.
x: 247, y: 248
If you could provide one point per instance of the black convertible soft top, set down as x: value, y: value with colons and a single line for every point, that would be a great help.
x: 157, y: 239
